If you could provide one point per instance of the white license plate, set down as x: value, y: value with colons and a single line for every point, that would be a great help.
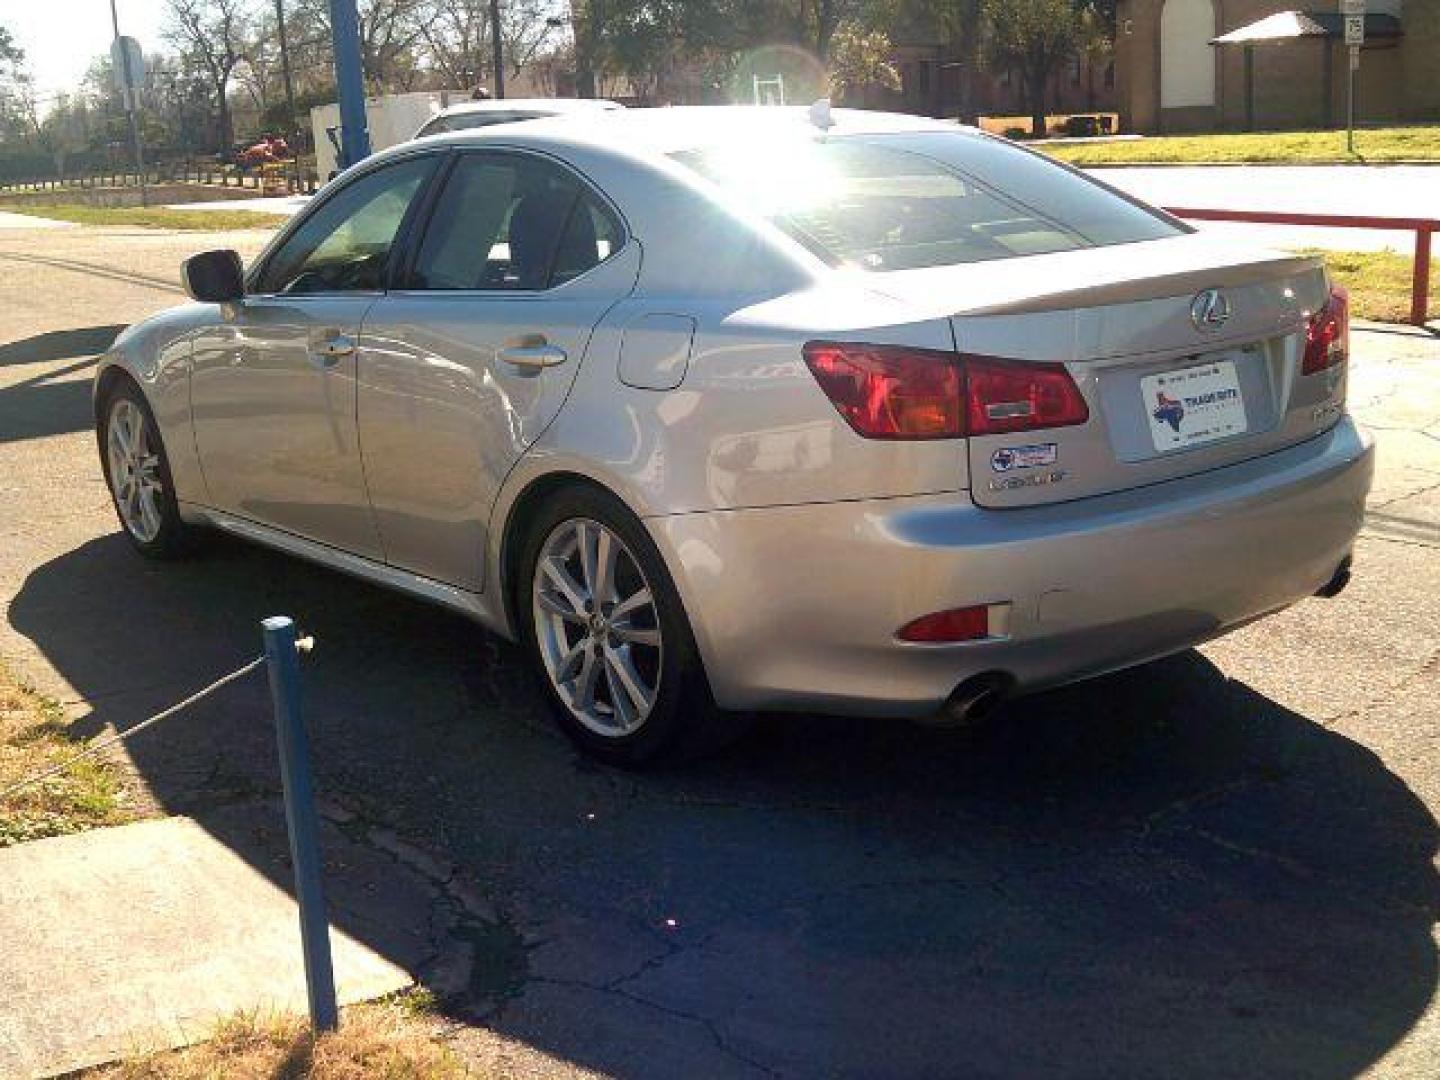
x: 1194, y: 405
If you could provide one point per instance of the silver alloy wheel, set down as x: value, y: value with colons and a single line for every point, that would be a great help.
x: 597, y: 627
x: 134, y: 470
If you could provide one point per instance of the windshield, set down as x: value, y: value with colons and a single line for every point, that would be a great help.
x: 935, y: 199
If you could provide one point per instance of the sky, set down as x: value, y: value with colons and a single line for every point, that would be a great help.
x: 62, y: 37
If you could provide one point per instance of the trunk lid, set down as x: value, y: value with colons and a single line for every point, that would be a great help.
x: 1188, y: 354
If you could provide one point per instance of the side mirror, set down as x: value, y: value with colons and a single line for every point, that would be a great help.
x: 214, y: 277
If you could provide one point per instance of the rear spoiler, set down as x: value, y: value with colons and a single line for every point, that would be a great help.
x: 1153, y: 287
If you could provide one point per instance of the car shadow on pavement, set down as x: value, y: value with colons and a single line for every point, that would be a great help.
x: 60, y: 345
x: 51, y: 403
x: 1161, y: 872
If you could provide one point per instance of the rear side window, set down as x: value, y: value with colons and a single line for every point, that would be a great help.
x: 512, y: 221
x: 900, y: 202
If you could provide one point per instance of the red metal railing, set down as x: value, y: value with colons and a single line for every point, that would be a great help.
x: 1423, y: 228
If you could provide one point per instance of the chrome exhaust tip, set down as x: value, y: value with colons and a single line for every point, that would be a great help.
x: 974, y: 699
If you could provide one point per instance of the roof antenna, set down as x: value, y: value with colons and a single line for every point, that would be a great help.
x: 820, y: 114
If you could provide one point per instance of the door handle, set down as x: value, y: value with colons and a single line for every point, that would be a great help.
x: 532, y: 353
x: 332, y: 348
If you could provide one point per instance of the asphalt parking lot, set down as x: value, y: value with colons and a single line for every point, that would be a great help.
x: 1222, y: 864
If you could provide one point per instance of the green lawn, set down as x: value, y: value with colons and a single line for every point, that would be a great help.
x: 1379, y: 282
x: 1295, y: 147
x: 157, y: 217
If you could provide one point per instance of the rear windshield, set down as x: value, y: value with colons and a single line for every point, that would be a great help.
x: 941, y: 199
x: 467, y: 121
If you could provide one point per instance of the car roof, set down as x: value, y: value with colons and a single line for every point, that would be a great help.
x: 555, y: 106
x: 648, y: 132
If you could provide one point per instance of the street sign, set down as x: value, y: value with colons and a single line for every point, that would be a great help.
x: 1353, y: 12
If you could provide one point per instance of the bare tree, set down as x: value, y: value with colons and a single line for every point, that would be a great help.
x: 389, y: 32
x: 212, y: 35
x: 457, y: 35
x: 528, y: 27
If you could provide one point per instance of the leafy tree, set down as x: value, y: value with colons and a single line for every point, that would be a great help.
x: 1033, y: 37
x: 1095, y: 44
x: 860, y: 59
x: 1103, y: 12
x: 642, y: 40
x: 17, y: 92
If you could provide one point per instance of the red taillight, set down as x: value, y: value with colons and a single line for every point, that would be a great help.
x: 1015, y: 395
x: 889, y: 392
x: 957, y: 624
x: 1327, y: 337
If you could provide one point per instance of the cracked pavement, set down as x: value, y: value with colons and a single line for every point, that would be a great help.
x: 1221, y: 864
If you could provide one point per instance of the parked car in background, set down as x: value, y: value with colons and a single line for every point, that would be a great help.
x: 478, y: 114
x: 757, y: 409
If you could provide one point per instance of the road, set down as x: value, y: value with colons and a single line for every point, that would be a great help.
x: 1222, y: 864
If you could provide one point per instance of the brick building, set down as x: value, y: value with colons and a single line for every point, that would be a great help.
x: 1169, y: 78
x: 931, y: 75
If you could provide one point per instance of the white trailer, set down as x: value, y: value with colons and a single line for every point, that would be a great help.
x: 392, y: 119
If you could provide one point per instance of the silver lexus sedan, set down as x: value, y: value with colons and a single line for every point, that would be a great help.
x: 728, y: 409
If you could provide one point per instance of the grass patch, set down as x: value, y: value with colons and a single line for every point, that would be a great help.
x: 1379, y: 282
x: 389, y: 1039
x: 34, y: 736
x: 154, y: 217
x: 1417, y: 143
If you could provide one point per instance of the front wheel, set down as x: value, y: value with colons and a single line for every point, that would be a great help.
x: 138, y: 475
x: 604, y: 625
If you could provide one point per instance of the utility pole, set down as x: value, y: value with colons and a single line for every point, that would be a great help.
x: 132, y: 103
x: 349, y: 82
x: 285, y: 65
x: 497, y: 52
x: 292, y: 126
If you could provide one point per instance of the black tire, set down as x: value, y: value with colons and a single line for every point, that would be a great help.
x: 173, y: 538
x: 683, y: 721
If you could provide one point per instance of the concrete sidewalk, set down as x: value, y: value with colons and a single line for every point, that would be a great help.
x: 139, y: 937
x: 10, y: 220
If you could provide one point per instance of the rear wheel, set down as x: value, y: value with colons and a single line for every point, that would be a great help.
x: 138, y: 475
x: 606, y: 630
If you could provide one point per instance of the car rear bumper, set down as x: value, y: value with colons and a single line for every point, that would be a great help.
x: 797, y: 607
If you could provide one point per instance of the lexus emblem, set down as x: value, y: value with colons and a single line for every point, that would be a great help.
x: 1209, y: 310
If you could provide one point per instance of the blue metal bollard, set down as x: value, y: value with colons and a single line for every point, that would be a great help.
x: 349, y: 82
x: 284, y: 667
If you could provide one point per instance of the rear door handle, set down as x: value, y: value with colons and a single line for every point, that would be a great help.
x: 535, y: 353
